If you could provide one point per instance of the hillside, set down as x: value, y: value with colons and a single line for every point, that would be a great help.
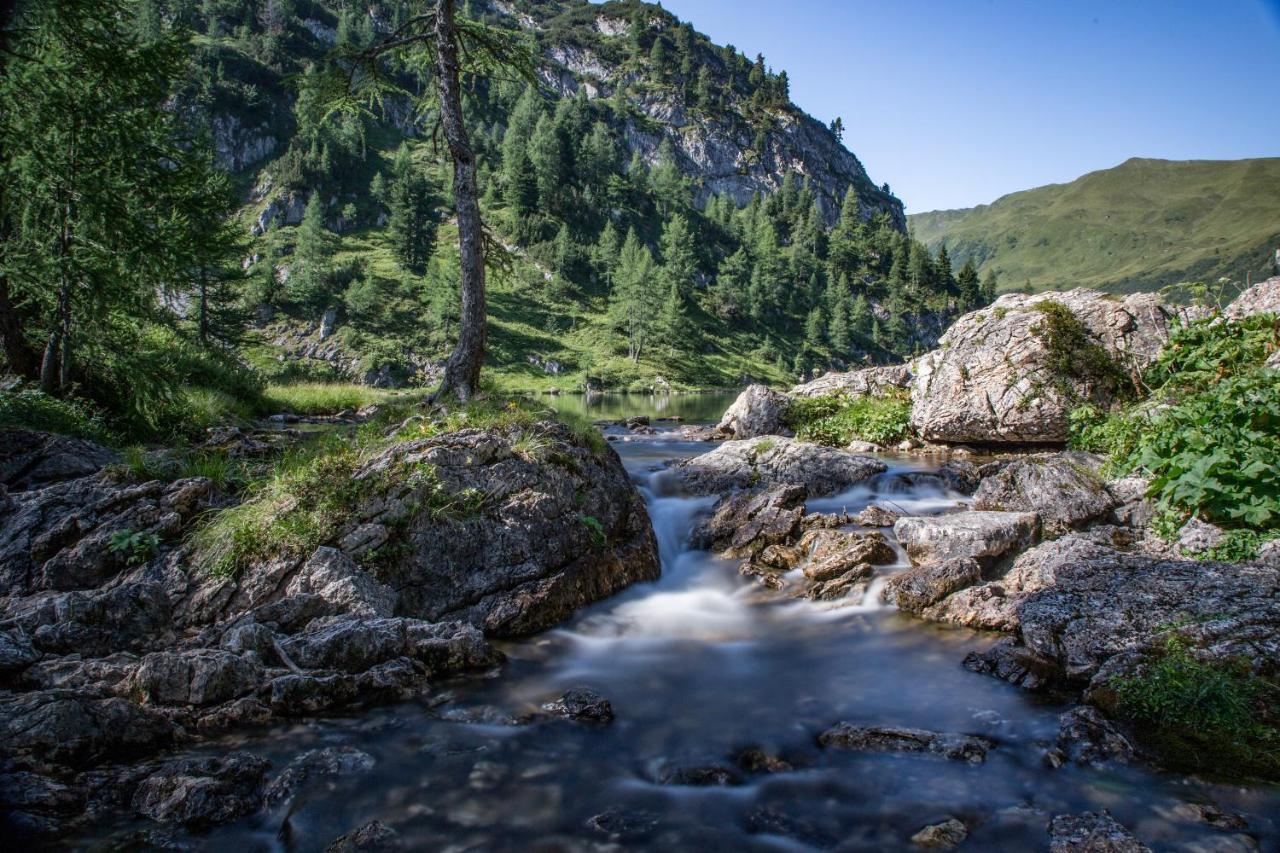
x: 638, y: 121
x: 1143, y: 225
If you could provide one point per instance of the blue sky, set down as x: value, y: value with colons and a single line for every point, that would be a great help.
x: 957, y: 103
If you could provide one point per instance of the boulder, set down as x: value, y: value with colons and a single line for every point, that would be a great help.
x: 1092, y: 832
x: 832, y: 553
x: 1262, y: 298
x: 369, y: 836
x: 869, y: 381
x: 582, y: 705
x: 314, y: 765
x: 757, y: 411
x: 959, y: 475
x: 195, y: 677
x: 981, y: 535
x: 989, y: 381
x: 1197, y: 536
x: 203, y: 792
x: 877, y: 516
x: 941, y: 836
x: 745, y: 523
x: 957, y: 747
x: 916, y: 588
x: 773, y: 461
x: 33, y: 460
x: 1064, y: 489
x: 344, y: 586
x: 79, y: 729
x: 1086, y: 736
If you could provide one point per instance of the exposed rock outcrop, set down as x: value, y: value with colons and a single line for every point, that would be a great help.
x: 773, y: 460
x: 989, y: 381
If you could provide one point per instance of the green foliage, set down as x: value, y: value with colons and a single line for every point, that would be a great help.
x: 1072, y: 354
x: 137, y: 547
x: 1036, y: 235
x: 33, y: 409
x: 594, y: 526
x: 1203, y: 716
x: 319, y: 398
x: 837, y: 420
x: 1205, y: 351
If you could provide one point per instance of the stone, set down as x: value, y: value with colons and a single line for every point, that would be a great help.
x: 918, y: 587
x: 1086, y: 736
x: 1198, y: 536
x: 869, y: 381
x: 989, y: 382
x: 697, y: 775
x: 128, y: 617
x: 877, y: 516
x: 1092, y: 832
x: 72, y: 728
x: 582, y: 705
x: 773, y: 461
x: 1261, y: 298
x: 832, y: 553
x: 203, y: 792
x: 1064, y: 489
x: 747, y: 522
x: 758, y: 411
x: 312, y: 766
x: 941, y: 836
x: 33, y: 460
x: 959, y: 475
x: 195, y: 677
x: 336, y: 579
x: 957, y: 747
x: 1016, y: 664
x: 624, y: 824
x: 755, y: 760
x: 769, y: 821
x: 369, y: 836
x: 981, y: 535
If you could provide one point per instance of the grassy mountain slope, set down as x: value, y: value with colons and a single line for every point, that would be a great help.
x: 1139, y: 226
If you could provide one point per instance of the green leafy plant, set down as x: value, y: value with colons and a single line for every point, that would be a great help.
x: 836, y: 420
x: 594, y: 526
x: 137, y: 546
x: 1072, y: 354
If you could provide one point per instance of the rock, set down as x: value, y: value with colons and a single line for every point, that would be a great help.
x: 203, y: 792
x: 128, y: 617
x: 755, y: 760
x: 624, y: 824
x: 773, y: 461
x: 1263, y: 297
x: 1064, y: 489
x: 875, y: 516
x: 16, y: 652
x: 746, y: 522
x: 970, y: 748
x: 1013, y: 663
x: 959, y: 475
x: 920, y: 586
x: 336, y: 579
x: 195, y: 677
x: 840, y: 585
x: 1211, y: 814
x: 758, y: 411
x: 859, y: 446
x: 834, y: 552
x: 75, y: 729
x: 33, y: 460
x: 1198, y: 536
x: 1091, y: 832
x: 371, y: 835
x: 1086, y: 736
x: 989, y: 382
x: 357, y: 645
x: 981, y: 535
x: 1269, y: 554
x: 552, y: 533
x: 582, y: 705
x: 825, y: 520
x: 869, y: 381
x: 768, y: 821
x: 311, y: 766
x: 941, y: 836
x: 698, y: 775
x: 1133, y: 509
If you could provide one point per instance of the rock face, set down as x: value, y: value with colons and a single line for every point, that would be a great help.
x: 1064, y: 489
x: 981, y: 535
x: 988, y: 381
x: 757, y: 411
x: 36, y: 459
x: 869, y: 381
x: 770, y: 461
x: 1263, y: 297
x: 745, y: 523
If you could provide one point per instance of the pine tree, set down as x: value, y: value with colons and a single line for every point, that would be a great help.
x: 967, y: 283
x: 670, y: 190
x: 605, y: 254
x: 942, y: 269
x: 837, y: 128
x: 989, y: 287
x: 411, y: 225
x: 546, y: 153
x: 679, y: 265
x: 309, y: 274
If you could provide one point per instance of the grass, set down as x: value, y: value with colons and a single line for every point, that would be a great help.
x: 321, y: 398
x: 1142, y: 225
x: 1203, y: 717
x: 32, y: 409
x: 836, y: 420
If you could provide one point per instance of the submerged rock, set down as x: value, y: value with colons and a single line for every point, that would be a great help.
x: 582, y: 705
x: 1086, y: 736
x: 697, y: 775
x: 981, y: 535
x: 773, y: 461
x: 990, y: 379
x: 310, y: 767
x: 957, y: 747
x: 1092, y: 832
x: 757, y: 411
x: 369, y: 836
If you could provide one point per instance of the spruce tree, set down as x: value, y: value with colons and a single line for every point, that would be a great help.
x: 967, y: 283
x: 310, y: 271
x: 411, y: 224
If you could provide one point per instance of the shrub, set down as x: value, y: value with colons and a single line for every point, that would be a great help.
x: 836, y: 420
x: 32, y: 409
x: 1206, y: 351
x: 1203, y: 716
x: 1072, y: 354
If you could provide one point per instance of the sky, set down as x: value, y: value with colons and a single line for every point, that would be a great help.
x: 957, y: 102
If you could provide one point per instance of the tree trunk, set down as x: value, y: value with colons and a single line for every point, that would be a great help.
x: 55, y: 364
x: 462, y: 370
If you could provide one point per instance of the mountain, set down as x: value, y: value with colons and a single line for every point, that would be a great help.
x: 1142, y: 225
x: 665, y: 213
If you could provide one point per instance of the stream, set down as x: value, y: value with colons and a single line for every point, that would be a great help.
x: 699, y: 666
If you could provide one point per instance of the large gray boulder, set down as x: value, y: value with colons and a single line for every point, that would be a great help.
x: 1263, y: 297
x: 757, y: 411
x: 1064, y: 489
x: 773, y: 460
x: 867, y: 382
x: 203, y: 792
x: 981, y: 535
x: 32, y: 460
x: 989, y: 380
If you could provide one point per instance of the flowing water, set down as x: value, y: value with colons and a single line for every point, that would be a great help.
x: 700, y: 665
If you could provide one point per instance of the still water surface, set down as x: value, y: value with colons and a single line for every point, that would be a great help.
x: 700, y: 665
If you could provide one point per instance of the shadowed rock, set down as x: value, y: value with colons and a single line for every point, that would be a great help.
x: 956, y: 747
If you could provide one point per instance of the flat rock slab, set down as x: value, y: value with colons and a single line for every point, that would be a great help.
x: 980, y: 535
x: 957, y: 747
x: 770, y: 461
